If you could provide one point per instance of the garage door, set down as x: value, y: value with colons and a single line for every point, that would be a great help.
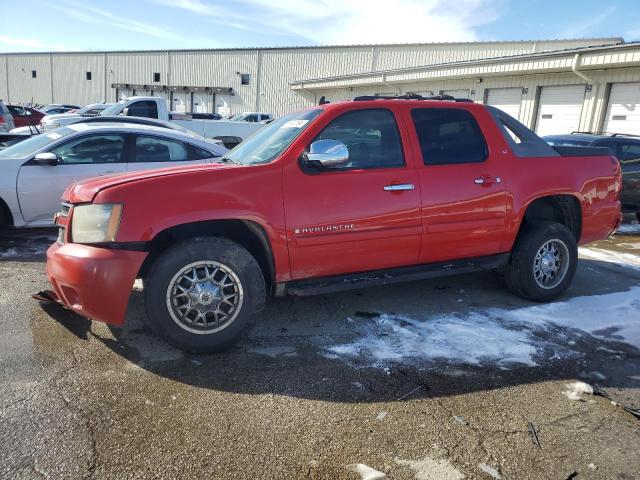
x: 506, y: 99
x: 180, y: 102
x: 202, y: 103
x: 623, y: 111
x: 559, y: 109
x: 460, y: 93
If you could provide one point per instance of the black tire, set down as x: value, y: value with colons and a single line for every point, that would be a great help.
x: 174, y: 260
x: 519, y: 272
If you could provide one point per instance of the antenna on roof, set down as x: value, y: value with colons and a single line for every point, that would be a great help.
x: 323, y: 100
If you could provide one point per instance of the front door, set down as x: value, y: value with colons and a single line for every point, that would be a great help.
x: 461, y: 184
x: 40, y: 187
x: 363, y: 215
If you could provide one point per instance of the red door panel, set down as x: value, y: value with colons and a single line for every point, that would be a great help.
x: 463, y: 204
x: 342, y: 222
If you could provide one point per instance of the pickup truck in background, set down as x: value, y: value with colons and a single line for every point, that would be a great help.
x: 229, y: 132
x: 339, y: 196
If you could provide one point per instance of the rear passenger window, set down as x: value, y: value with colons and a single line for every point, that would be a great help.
x: 371, y: 136
x: 448, y: 135
x: 143, y: 108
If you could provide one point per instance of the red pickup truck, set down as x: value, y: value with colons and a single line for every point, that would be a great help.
x: 352, y: 194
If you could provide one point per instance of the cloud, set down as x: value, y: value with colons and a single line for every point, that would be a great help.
x: 32, y: 44
x: 352, y: 21
x: 585, y: 28
x: 89, y: 14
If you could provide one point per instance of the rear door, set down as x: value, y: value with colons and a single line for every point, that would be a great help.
x: 461, y: 184
x: 40, y: 187
x: 148, y: 152
x: 360, y: 216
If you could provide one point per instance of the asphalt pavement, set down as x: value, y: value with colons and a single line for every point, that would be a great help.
x: 300, y: 397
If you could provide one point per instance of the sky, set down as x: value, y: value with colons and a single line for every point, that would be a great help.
x: 94, y: 25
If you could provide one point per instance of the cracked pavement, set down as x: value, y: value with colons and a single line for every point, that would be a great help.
x: 79, y: 400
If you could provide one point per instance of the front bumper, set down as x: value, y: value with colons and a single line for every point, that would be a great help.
x: 94, y: 282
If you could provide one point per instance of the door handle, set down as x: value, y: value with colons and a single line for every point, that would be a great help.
x: 487, y: 180
x: 399, y: 187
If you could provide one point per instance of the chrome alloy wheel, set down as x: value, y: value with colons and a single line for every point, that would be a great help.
x: 204, y: 297
x: 551, y: 264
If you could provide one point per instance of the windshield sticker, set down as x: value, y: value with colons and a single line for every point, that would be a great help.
x: 295, y: 124
x: 54, y: 136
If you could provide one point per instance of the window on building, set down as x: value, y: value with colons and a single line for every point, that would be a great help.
x: 371, y: 136
x: 245, y: 79
x: 448, y: 135
x: 88, y: 75
x: 34, y: 74
x: 156, y: 77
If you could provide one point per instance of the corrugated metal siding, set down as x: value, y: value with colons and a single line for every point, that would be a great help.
x: 276, y: 68
x: 70, y: 81
x: 22, y: 87
x: 136, y: 68
x: 3, y: 78
x: 279, y: 67
x: 218, y: 69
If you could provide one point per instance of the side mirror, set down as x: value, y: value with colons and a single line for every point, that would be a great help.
x: 327, y: 154
x: 46, y: 158
x: 125, y: 112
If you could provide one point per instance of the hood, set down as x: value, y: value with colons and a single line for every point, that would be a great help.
x: 86, y: 190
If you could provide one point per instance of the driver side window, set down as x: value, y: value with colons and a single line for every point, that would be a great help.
x: 371, y: 136
x: 91, y: 149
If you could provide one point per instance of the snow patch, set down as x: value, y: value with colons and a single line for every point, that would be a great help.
x: 490, y: 471
x: 366, y: 472
x: 429, y: 469
x: 629, y: 228
x: 500, y: 336
x: 628, y: 260
x: 12, y: 252
x: 575, y: 390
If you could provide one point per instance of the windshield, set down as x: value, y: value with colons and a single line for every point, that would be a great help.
x: 238, y: 118
x: 35, y: 143
x: 270, y: 141
x: 114, y: 109
x: 566, y: 142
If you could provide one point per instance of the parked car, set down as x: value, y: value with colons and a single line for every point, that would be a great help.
x: 53, y: 110
x: 143, y: 121
x: 35, y: 172
x: 6, y: 119
x: 51, y: 122
x: 626, y: 148
x: 252, y: 117
x: 25, y: 116
x: 55, y: 106
x: 231, y: 133
x: 345, y: 195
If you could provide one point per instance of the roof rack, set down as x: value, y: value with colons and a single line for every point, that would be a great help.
x: 410, y: 96
x: 625, y: 135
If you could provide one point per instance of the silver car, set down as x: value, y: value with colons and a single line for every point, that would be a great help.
x: 35, y: 172
x: 6, y: 119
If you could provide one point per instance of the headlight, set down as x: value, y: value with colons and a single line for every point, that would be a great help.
x: 95, y: 223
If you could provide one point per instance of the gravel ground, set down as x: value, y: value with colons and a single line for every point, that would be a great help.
x: 79, y: 400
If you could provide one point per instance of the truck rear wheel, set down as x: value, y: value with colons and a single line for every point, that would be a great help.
x: 201, y: 295
x: 543, y: 261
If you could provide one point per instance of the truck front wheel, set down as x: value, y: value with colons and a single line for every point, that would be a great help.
x: 543, y: 261
x: 201, y: 295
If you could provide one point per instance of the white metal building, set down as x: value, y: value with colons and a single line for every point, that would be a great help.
x: 554, y: 86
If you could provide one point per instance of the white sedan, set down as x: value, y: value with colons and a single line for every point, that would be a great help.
x: 35, y: 172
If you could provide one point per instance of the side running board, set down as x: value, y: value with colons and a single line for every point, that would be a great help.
x: 377, y: 278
